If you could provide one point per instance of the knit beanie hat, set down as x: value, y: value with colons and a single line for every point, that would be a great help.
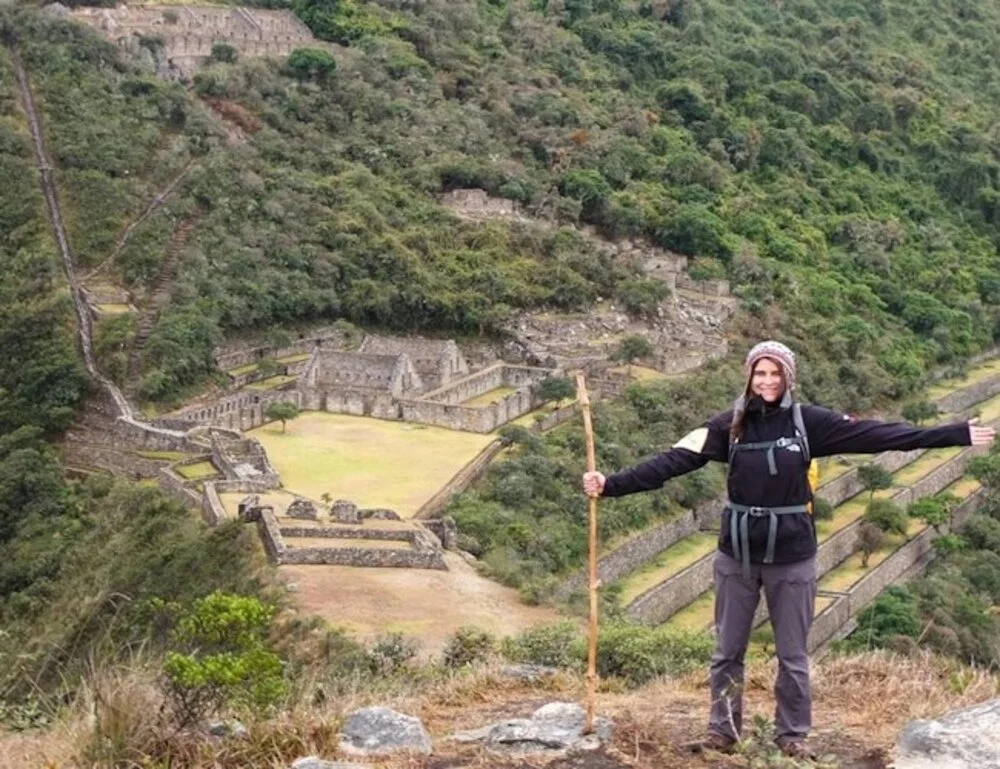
x: 778, y: 353
x: 784, y: 357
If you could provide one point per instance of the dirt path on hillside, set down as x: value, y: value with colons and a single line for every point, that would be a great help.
x: 424, y: 603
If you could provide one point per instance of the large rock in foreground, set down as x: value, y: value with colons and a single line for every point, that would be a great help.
x: 556, y: 727
x: 380, y: 731
x: 962, y: 739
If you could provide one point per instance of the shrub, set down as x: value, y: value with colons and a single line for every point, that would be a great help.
x: 933, y: 511
x: 639, y: 653
x: 392, y: 653
x: 822, y: 509
x: 870, y: 538
x: 887, y: 515
x: 468, y: 646
x: 219, y: 657
x: 544, y: 645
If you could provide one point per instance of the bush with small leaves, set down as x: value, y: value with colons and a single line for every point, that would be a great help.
x: 218, y: 656
x: 468, y: 646
x: 887, y: 515
x: 392, y: 653
x: 544, y: 645
x: 870, y: 539
x: 822, y: 509
x: 933, y: 511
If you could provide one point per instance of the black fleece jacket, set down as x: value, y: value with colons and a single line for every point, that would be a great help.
x: 749, y: 481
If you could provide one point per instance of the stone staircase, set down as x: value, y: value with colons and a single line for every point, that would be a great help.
x: 159, y: 297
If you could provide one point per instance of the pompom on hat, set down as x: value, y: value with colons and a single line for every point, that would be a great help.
x: 777, y: 352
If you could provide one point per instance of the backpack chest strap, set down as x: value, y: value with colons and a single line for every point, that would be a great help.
x: 769, y: 447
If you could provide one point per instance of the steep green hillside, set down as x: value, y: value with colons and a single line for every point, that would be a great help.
x: 837, y: 161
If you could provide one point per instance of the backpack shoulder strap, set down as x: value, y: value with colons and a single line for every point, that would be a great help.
x: 800, y: 426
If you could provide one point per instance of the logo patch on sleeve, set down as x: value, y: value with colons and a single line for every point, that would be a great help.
x: 694, y: 440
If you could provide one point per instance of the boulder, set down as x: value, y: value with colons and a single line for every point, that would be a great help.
x: 344, y: 511
x: 378, y: 731
x: 962, y: 739
x: 302, y: 509
x: 553, y: 728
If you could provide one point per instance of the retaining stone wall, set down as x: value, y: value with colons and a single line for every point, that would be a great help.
x: 636, y: 551
x: 462, y: 480
x: 212, y: 509
x: 969, y: 396
x: 270, y: 536
x: 348, y: 556
x: 334, y: 532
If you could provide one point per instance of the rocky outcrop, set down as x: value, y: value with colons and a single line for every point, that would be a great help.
x: 556, y: 727
x: 381, y: 731
x: 963, y: 739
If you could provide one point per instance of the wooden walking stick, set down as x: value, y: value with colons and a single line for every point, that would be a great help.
x: 588, y: 433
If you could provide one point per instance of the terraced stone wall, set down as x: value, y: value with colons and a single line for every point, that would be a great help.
x: 836, y: 619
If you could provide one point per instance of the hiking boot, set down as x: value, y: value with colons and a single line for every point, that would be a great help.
x: 797, y: 749
x: 720, y: 743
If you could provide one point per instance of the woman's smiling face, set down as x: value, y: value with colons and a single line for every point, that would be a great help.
x: 768, y: 380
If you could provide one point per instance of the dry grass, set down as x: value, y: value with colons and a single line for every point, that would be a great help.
x: 860, y: 704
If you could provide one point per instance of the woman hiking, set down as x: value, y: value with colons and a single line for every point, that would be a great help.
x: 768, y: 535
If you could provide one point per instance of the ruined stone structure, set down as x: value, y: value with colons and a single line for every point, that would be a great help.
x: 409, y: 545
x: 687, y: 332
x: 437, y: 361
x: 188, y: 32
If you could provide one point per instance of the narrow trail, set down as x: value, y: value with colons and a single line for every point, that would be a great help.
x: 159, y: 297
x: 154, y: 204
x: 84, y: 324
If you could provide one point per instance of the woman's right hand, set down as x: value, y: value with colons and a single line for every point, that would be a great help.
x: 593, y: 484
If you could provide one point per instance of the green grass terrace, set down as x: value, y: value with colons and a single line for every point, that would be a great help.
x: 372, y: 462
x: 671, y: 561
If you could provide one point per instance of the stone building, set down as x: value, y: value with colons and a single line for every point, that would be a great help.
x: 391, y: 374
x: 187, y: 33
x: 437, y: 361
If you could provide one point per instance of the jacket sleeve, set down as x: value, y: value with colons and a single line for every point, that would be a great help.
x: 833, y: 433
x: 694, y: 450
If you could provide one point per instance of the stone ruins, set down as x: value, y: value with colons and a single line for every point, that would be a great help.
x: 187, y: 33
x: 686, y: 332
x: 426, y: 381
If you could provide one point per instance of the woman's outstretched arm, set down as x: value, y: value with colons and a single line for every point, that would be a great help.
x: 833, y: 433
x: 694, y: 450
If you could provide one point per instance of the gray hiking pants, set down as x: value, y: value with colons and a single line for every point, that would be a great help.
x: 790, y: 592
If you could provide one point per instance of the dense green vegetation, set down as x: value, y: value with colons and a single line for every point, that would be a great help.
x: 952, y: 608
x: 838, y: 162
x: 527, y: 520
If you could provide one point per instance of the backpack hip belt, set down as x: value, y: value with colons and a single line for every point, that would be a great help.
x: 739, y: 529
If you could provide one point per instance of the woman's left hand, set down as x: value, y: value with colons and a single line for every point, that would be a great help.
x: 980, y: 436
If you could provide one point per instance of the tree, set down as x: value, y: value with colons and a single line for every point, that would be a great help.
x: 267, y: 368
x: 556, y: 388
x: 933, y: 511
x: 311, y: 63
x: 887, y: 515
x: 223, y: 52
x: 281, y: 411
x: 874, y: 478
x: 919, y: 411
x: 986, y: 470
x: 870, y: 539
x: 632, y: 348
